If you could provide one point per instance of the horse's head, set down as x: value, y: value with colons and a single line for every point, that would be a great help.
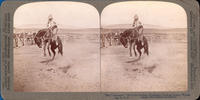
x: 54, y: 27
x: 123, y: 39
x: 38, y: 41
x: 38, y: 37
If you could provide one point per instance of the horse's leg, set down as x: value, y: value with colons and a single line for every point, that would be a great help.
x: 134, y: 45
x: 60, y: 46
x: 130, y: 48
x: 147, y: 49
x: 103, y: 42
x: 48, y: 48
x: 23, y: 41
x: 61, y: 49
x: 31, y: 41
x: 20, y: 40
x: 139, y: 50
x: 44, y: 48
x: 16, y: 41
x: 110, y: 42
x: 54, y: 52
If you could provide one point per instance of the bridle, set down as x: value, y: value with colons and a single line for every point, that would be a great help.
x: 38, y: 38
x: 42, y: 37
x: 128, y: 38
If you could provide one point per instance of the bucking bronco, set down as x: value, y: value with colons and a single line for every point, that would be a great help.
x: 42, y: 38
x: 130, y: 37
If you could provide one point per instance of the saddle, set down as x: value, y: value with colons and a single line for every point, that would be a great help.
x: 49, y: 33
x: 138, y: 35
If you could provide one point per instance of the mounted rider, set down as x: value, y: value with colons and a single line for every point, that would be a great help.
x: 137, y: 25
x: 52, y: 28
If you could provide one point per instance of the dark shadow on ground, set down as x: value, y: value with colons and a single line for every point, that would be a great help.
x: 46, y: 61
x: 133, y: 61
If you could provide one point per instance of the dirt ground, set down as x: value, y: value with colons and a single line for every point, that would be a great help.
x: 76, y: 71
x: 82, y: 69
x: 165, y: 69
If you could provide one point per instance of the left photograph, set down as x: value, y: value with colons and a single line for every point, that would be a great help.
x: 56, y: 47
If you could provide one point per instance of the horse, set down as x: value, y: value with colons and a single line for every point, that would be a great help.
x: 139, y: 45
x: 116, y: 39
x: 102, y: 38
x: 130, y: 36
x: 15, y: 39
x: 22, y: 38
x: 29, y: 38
x: 106, y: 37
x: 41, y: 37
x: 54, y: 46
x: 109, y: 38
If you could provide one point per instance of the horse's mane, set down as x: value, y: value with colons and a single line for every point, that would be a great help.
x: 128, y: 32
x: 41, y: 32
x: 55, y: 26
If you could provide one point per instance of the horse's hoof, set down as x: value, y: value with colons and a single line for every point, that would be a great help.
x: 135, y: 53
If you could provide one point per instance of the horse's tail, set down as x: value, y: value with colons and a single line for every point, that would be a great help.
x: 146, y: 45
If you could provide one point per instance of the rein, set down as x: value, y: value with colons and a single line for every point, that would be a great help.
x: 42, y: 37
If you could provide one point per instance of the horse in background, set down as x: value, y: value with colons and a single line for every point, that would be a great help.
x: 30, y: 38
x: 22, y: 38
x: 116, y: 38
x: 15, y: 40
x: 102, y: 39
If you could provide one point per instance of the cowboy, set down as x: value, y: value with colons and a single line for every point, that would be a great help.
x: 137, y: 25
x: 52, y: 28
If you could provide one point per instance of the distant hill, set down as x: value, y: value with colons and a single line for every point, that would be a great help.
x: 147, y: 28
x: 60, y: 30
x: 40, y: 26
x: 126, y: 26
x: 105, y: 29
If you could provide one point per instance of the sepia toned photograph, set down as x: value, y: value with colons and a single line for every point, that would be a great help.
x: 143, y: 47
x: 132, y: 46
x: 56, y: 47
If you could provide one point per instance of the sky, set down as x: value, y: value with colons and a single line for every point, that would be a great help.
x: 66, y: 14
x: 159, y: 13
x: 81, y: 15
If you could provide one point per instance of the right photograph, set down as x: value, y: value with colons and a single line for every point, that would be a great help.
x: 143, y: 47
